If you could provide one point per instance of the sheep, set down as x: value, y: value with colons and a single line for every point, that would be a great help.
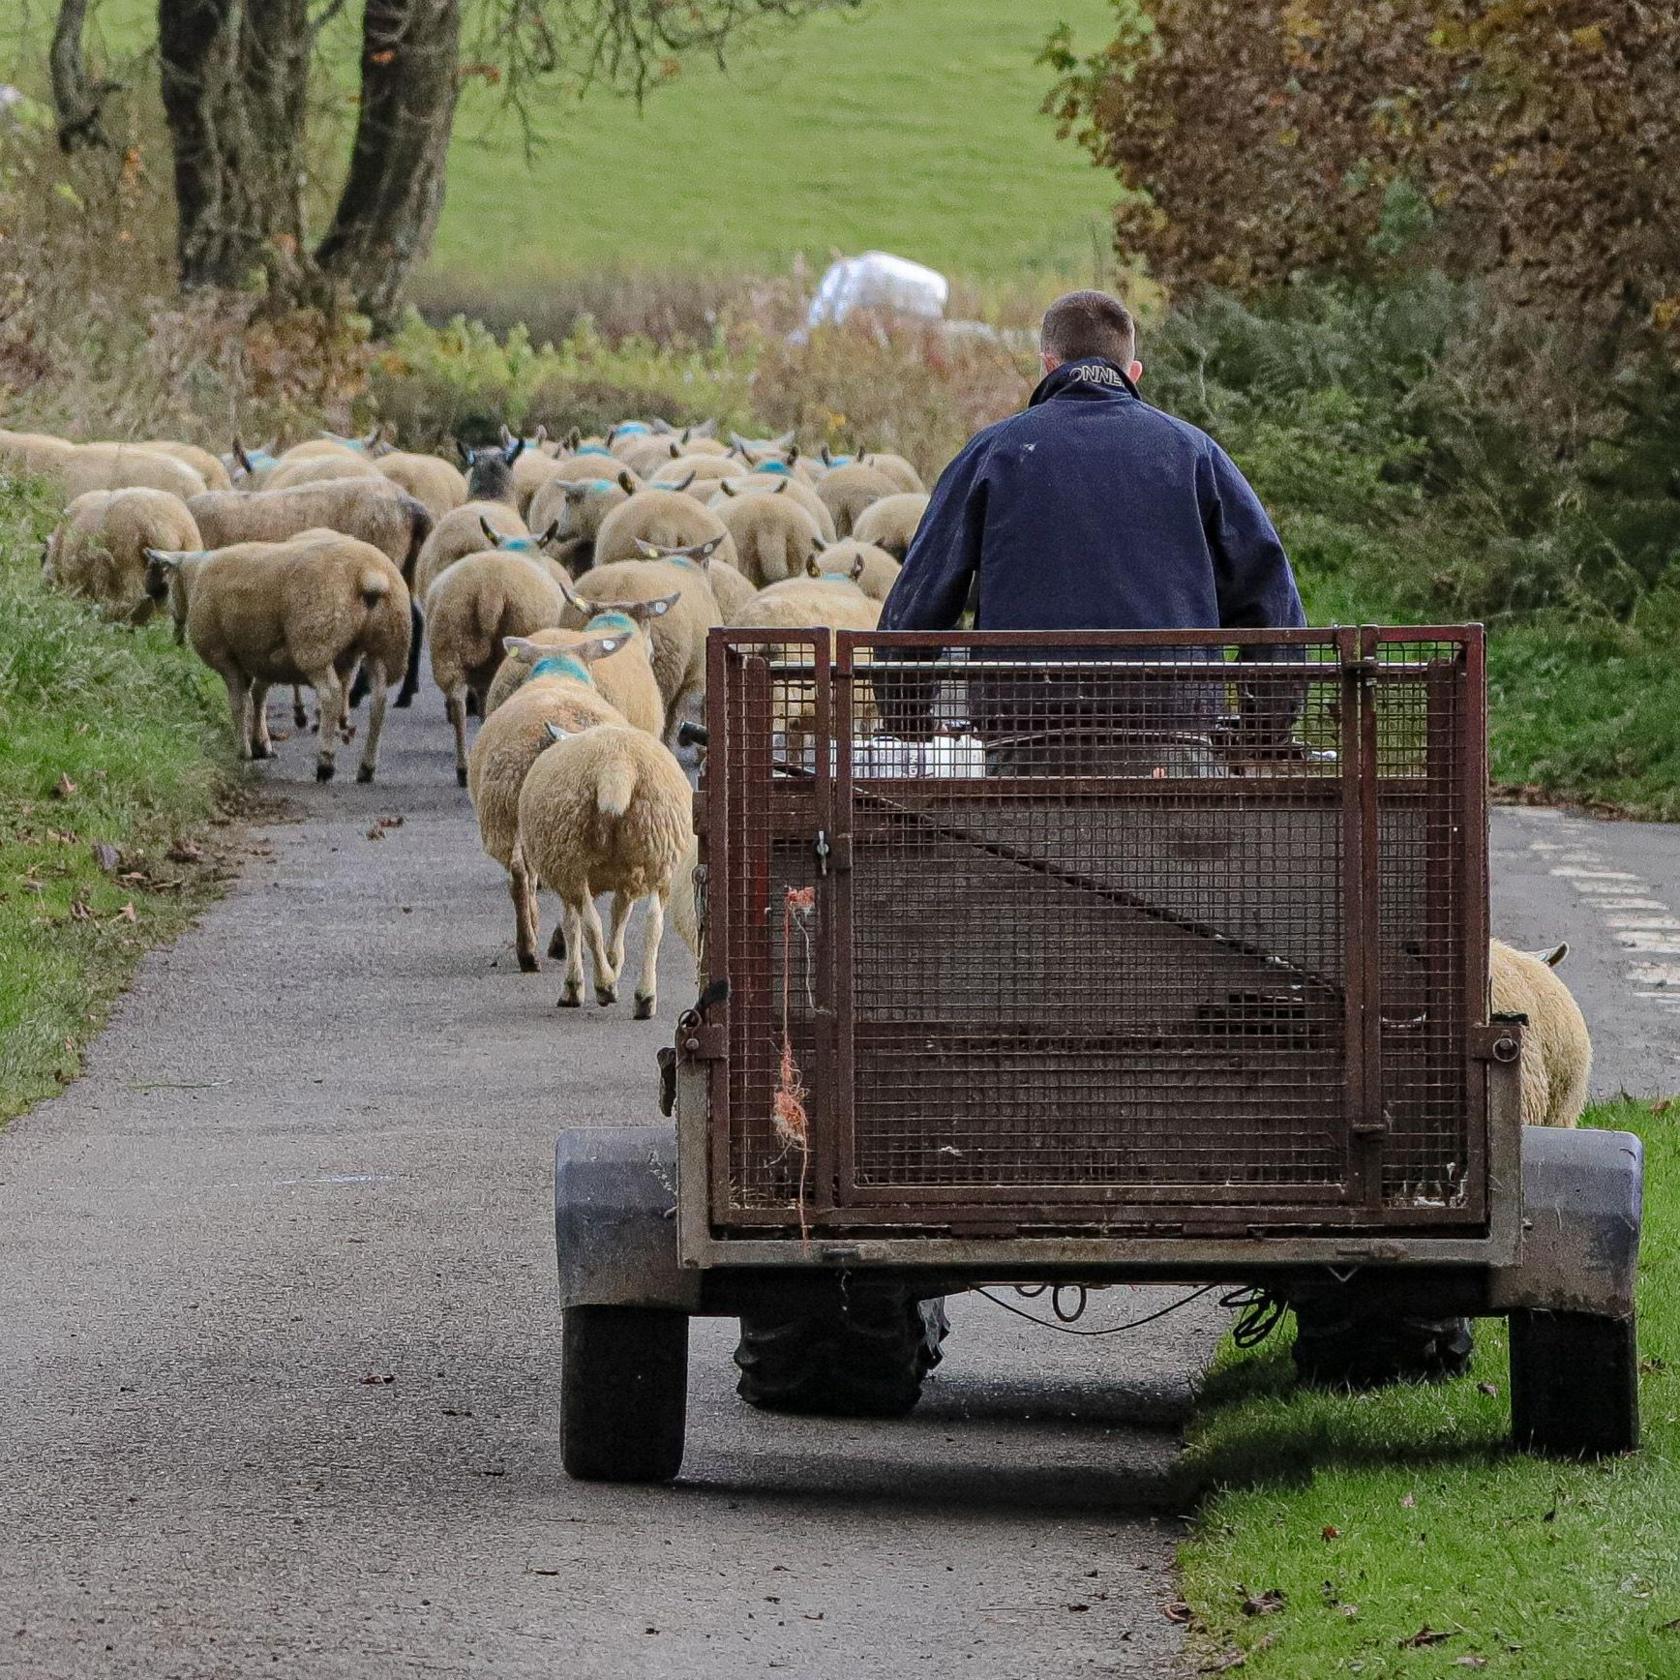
x: 317, y: 447
x: 874, y: 569
x: 686, y: 907
x: 472, y: 607
x: 562, y: 691
x: 705, y: 469
x: 372, y: 510
x: 250, y: 469
x: 439, y: 484
x: 122, y: 466
x: 647, y: 456
x: 605, y: 810
x: 34, y: 452
x: 628, y: 436
x: 577, y: 507
x: 665, y: 518
x: 557, y: 557
x: 797, y: 489
x: 896, y: 467
x: 320, y: 469
x: 677, y: 637
x: 890, y: 524
x: 490, y: 472
x: 532, y: 476
x: 459, y: 533
x: 99, y: 547
x: 307, y: 610
x: 847, y: 491
x: 774, y: 536
x: 1556, y: 1049
x: 208, y: 467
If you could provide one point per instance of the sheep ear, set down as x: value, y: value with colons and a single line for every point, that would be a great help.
x: 626, y: 483
x: 784, y: 440
x: 376, y: 436
x: 706, y: 428
x: 685, y: 483
x: 857, y: 568
x: 701, y: 553
x: 740, y: 445
x: 574, y: 437
x: 827, y: 456
x: 728, y: 489
x: 684, y: 435
x: 491, y: 534
x: 507, y: 436
x: 1554, y: 956
x: 467, y: 455
x: 676, y: 451
x: 792, y: 453
x: 540, y: 437
x: 663, y: 427
x: 552, y: 534
x: 650, y: 551
x: 612, y: 432
x: 516, y: 451
x: 523, y: 649
x: 812, y: 569
x: 241, y: 457
x: 575, y: 493
x: 168, y: 558
x: 555, y: 732
x: 780, y: 488
x: 600, y: 648
x: 819, y: 543
x: 642, y: 611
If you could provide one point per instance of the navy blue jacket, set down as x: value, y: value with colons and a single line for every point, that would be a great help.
x: 1091, y: 510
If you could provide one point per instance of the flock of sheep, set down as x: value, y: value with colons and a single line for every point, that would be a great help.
x: 564, y: 589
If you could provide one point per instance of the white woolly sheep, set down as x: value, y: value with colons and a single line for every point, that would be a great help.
x: 439, y: 484
x: 208, y: 467
x: 490, y: 472
x: 459, y: 533
x: 321, y: 469
x: 122, y: 466
x: 472, y: 608
x: 99, y: 547
x: 561, y: 692
x: 665, y: 518
x: 678, y: 636
x: 757, y: 483
x: 873, y: 568
x: 774, y: 535
x: 729, y: 588
x: 904, y: 477
x: 847, y: 491
x: 35, y: 452
x: 1556, y: 1049
x: 605, y: 810
x: 309, y: 610
x: 890, y: 523
x: 577, y: 507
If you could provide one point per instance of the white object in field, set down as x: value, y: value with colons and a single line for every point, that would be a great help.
x: 945, y: 755
x: 877, y: 280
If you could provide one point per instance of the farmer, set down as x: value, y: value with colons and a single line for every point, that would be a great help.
x: 1090, y: 510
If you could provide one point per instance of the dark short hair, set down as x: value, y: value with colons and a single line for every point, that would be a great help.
x: 1089, y: 324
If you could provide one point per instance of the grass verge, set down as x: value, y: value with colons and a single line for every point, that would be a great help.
x: 112, y: 757
x: 1376, y: 1516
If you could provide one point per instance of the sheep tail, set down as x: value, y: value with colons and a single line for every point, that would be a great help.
x: 615, y: 786
x: 373, y: 586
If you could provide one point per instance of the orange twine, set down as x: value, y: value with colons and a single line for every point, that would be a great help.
x: 788, y: 1113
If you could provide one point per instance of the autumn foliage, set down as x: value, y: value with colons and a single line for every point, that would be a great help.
x: 1530, y: 141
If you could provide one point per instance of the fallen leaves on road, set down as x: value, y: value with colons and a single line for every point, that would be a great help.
x: 1487, y: 1388
x: 377, y: 832
x: 127, y: 913
x: 80, y: 910
x: 64, y: 788
x: 185, y: 851
x: 374, y: 1377
x: 1178, y: 1611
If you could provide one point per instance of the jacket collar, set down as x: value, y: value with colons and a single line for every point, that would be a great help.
x: 1089, y: 376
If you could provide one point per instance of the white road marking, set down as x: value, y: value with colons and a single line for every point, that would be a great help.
x: 1574, y: 871
x: 1631, y: 919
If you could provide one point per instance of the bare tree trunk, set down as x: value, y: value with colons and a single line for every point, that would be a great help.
x: 76, y: 101
x: 235, y: 81
x: 393, y: 195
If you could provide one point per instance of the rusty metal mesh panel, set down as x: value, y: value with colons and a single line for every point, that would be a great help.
x: 1114, y: 928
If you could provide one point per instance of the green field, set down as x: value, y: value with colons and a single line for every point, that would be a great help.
x: 907, y: 125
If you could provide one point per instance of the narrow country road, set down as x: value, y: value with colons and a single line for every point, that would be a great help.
x: 278, y: 1385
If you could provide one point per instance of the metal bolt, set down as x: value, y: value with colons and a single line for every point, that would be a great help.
x: 1506, y: 1049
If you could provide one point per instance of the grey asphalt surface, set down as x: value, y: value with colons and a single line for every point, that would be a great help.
x: 278, y: 1390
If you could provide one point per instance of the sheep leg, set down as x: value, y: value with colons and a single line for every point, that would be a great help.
x: 329, y: 691
x: 606, y: 976
x: 623, y: 904
x: 571, y: 992
x: 300, y: 716
x: 239, y: 704
x: 653, y: 932
x: 557, y: 941
x: 455, y: 708
x: 261, y: 744
x: 380, y: 688
x: 359, y: 688
x: 411, y: 677
x: 524, y: 891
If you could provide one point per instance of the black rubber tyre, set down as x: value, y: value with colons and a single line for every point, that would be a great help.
x: 862, y: 1352
x: 1574, y: 1384
x: 1360, y: 1338
x: 623, y: 1393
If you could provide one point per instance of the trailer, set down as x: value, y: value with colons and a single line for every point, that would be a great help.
x: 1081, y: 958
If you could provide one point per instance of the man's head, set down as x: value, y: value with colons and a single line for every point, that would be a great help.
x: 1089, y: 324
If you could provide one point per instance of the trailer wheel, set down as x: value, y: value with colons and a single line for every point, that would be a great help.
x: 1357, y: 1338
x: 861, y: 1353
x: 1574, y: 1384
x: 623, y: 1393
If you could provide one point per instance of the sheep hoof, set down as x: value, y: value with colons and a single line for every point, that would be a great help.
x: 528, y: 963
x: 644, y: 1006
x: 569, y: 999
x: 365, y: 773
x: 404, y: 700
x: 460, y: 776
x: 606, y: 995
x: 300, y: 718
x: 323, y: 772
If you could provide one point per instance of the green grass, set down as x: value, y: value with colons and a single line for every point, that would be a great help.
x: 909, y: 125
x: 1376, y: 1515
x: 108, y: 736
